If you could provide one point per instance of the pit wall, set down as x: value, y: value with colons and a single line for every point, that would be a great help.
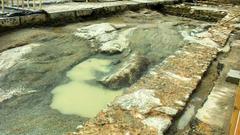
x: 153, y: 102
x: 62, y: 17
x: 189, y: 11
x: 221, y: 1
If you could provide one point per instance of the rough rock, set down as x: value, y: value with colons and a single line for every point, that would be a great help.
x: 11, y: 57
x: 160, y: 123
x: 109, y: 36
x: 142, y: 100
x: 94, y: 31
x: 167, y: 110
x: 212, y: 14
x: 128, y: 73
x: 8, y: 59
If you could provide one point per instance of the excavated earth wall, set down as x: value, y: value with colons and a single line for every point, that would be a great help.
x: 194, y: 12
x: 74, y: 12
x: 221, y: 1
x: 152, y: 103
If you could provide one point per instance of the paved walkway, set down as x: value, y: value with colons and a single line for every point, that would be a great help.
x: 93, y: 5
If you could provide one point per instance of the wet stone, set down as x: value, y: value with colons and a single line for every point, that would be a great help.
x: 128, y: 72
x: 106, y: 37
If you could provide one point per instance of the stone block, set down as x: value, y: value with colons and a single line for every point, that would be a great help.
x: 84, y: 12
x: 64, y: 16
x: 9, y: 22
x: 233, y: 76
x: 33, y: 19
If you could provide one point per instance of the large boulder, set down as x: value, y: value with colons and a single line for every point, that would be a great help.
x: 127, y: 73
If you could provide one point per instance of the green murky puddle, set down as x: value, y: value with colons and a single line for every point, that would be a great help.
x: 80, y: 97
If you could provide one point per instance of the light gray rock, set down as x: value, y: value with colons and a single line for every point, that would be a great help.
x: 112, y: 47
x: 142, y: 100
x: 180, y: 103
x: 108, y: 35
x: 233, y: 76
x: 95, y: 30
x: 13, y: 56
x: 167, y: 110
x: 160, y: 123
x: 118, y: 44
x: 127, y: 74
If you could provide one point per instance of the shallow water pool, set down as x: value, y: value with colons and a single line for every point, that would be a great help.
x: 80, y: 97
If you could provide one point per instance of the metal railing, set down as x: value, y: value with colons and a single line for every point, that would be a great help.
x: 21, y: 4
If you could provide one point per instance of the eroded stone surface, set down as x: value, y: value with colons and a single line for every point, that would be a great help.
x: 109, y: 37
x: 9, y: 59
x: 167, y: 110
x: 142, y: 100
x: 160, y: 123
x: 128, y: 73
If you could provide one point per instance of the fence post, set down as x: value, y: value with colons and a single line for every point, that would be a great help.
x: 40, y: 4
x: 34, y: 4
x: 2, y: 6
x: 17, y: 3
x: 22, y: 3
x: 28, y: 4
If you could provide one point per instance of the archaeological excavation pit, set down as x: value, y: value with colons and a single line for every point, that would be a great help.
x: 127, y: 68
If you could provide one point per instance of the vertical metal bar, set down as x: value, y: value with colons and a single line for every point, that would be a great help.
x: 34, y: 4
x: 40, y: 4
x: 17, y: 3
x: 2, y: 6
x: 28, y: 4
x: 12, y: 3
x: 22, y: 3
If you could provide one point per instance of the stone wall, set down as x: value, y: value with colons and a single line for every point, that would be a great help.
x: 222, y: 1
x: 195, y: 13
